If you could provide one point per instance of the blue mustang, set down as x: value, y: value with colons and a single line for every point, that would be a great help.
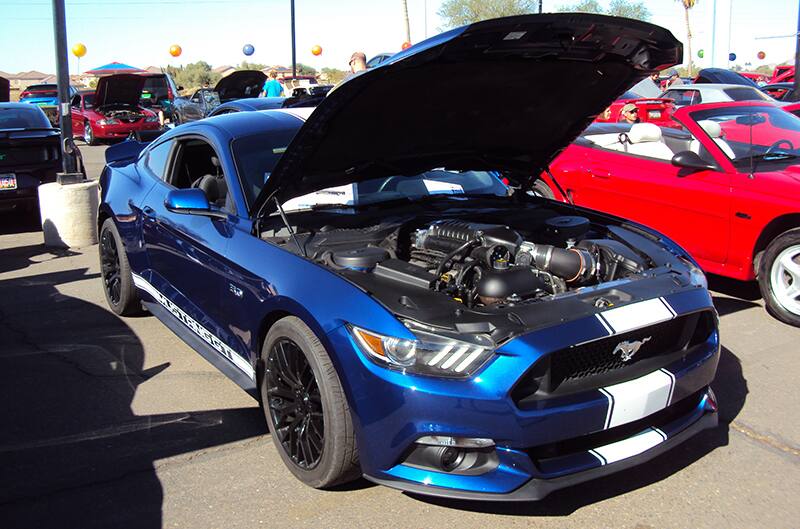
x: 398, y: 311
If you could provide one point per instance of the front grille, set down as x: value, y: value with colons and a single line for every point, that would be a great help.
x: 595, y: 364
x: 598, y: 357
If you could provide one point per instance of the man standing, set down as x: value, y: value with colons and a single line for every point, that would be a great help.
x: 272, y: 87
x: 358, y: 62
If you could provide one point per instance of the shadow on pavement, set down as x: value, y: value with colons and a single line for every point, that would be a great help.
x: 19, y: 257
x: 72, y: 452
x: 730, y: 387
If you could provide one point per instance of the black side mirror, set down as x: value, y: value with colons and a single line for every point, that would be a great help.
x: 692, y: 160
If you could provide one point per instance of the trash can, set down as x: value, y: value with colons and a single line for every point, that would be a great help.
x: 69, y: 213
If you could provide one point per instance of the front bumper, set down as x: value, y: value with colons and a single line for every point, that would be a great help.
x: 540, y: 447
x: 122, y: 130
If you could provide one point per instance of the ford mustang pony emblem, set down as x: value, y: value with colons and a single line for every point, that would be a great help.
x: 627, y: 349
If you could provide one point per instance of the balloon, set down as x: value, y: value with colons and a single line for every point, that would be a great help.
x: 731, y: 56
x: 405, y: 45
x: 316, y: 50
x: 700, y: 53
x: 761, y: 55
x: 175, y: 50
x: 79, y: 50
x: 248, y: 49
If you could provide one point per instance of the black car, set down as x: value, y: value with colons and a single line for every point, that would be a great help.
x: 780, y: 91
x: 243, y: 84
x: 30, y: 155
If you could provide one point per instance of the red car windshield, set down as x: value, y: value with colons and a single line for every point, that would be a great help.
x: 747, y: 133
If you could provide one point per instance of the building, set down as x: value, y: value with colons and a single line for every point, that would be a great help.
x: 224, y: 70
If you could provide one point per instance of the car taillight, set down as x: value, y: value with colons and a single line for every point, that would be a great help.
x: 169, y: 93
x: 23, y: 95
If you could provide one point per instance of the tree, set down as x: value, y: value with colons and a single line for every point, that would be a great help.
x: 304, y: 69
x: 251, y: 66
x: 195, y: 75
x: 687, y: 5
x: 456, y: 13
x: 333, y: 75
x: 617, y: 8
x: 406, y: 24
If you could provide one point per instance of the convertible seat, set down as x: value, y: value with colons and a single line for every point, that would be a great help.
x: 714, y: 131
x: 646, y: 140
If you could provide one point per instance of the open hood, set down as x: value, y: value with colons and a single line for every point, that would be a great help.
x: 505, y: 94
x: 240, y: 84
x: 120, y: 89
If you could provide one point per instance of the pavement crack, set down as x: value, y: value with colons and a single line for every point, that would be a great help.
x: 765, y: 439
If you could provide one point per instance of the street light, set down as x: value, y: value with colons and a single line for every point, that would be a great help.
x: 294, y: 52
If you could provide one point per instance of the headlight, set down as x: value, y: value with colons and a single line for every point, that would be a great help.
x: 429, y: 354
x: 107, y: 121
x: 151, y: 119
x: 696, y: 275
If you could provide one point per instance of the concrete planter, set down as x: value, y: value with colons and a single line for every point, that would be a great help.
x: 69, y: 214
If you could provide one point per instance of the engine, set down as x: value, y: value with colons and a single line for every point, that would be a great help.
x: 486, y: 264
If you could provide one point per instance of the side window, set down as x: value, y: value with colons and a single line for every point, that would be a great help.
x: 157, y: 159
x: 684, y: 97
x: 76, y: 101
x: 197, y: 165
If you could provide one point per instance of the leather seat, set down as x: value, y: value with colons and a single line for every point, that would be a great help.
x: 214, y: 187
x: 714, y: 131
x: 646, y: 140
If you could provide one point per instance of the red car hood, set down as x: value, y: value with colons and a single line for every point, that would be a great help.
x: 121, y: 89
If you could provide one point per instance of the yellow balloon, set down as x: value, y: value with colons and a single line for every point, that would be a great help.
x: 79, y: 50
x: 175, y: 50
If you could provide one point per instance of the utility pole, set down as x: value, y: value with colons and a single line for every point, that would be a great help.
x: 713, y: 34
x: 540, y: 6
x: 62, y: 73
x: 796, y: 93
x: 294, y: 50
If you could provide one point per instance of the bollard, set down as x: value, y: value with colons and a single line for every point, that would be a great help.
x: 69, y: 213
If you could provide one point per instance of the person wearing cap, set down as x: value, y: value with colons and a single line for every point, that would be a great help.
x: 358, y: 63
x: 629, y: 114
x: 272, y: 87
x: 674, y: 78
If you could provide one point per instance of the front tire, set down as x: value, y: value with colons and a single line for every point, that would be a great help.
x: 88, y: 134
x: 305, y: 407
x: 121, y: 294
x: 779, y: 277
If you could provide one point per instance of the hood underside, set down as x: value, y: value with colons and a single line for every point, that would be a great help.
x: 504, y: 94
x: 121, y: 89
x: 240, y: 85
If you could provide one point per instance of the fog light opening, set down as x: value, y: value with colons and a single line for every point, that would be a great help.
x: 450, y: 458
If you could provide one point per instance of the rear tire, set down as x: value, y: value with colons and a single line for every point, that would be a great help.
x: 88, y: 134
x: 779, y: 277
x: 305, y: 407
x: 115, y: 271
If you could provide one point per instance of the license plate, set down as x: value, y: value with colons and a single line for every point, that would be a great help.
x: 8, y: 181
x: 654, y: 114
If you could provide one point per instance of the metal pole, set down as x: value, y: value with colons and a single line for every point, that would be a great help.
x: 426, y: 18
x: 294, y: 51
x: 62, y: 72
x: 796, y: 93
x: 713, y: 35
x: 730, y: 26
x: 540, y: 6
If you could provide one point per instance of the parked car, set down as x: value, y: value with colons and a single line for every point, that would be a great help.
x: 725, y: 188
x: 723, y: 76
x: 694, y: 94
x: 160, y: 94
x: 779, y: 91
x: 248, y: 105
x: 112, y: 111
x: 379, y: 59
x: 419, y: 326
x: 30, y: 155
x: 782, y: 74
x: 45, y: 96
x: 650, y: 110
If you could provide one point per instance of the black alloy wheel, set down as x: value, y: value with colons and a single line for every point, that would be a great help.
x: 295, y: 404
x: 109, y: 264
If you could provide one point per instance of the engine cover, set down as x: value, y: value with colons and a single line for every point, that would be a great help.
x: 447, y: 235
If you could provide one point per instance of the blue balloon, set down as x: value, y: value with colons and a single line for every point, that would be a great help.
x: 731, y: 57
x: 248, y: 49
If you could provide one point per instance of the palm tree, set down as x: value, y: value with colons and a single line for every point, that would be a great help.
x: 687, y: 5
x: 405, y: 21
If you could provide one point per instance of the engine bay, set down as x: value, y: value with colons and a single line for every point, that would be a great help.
x: 123, y: 113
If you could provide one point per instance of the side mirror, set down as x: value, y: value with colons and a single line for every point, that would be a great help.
x: 191, y: 202
x: 692, y: 160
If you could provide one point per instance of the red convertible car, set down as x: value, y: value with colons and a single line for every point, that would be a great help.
x: 726, y: 187
x: 112, y: 111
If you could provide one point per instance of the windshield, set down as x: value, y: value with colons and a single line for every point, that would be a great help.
x: 88, y: 101
x: 747, y: 133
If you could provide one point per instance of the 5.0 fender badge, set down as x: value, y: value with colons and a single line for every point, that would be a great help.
x: 627, y: 349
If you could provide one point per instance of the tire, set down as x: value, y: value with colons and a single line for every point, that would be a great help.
x: 305, y: 407
x: 176, y: 119
x: 779, y: 277
x: 115, y: 272
x: 541, y: 189
x: 88, y: 134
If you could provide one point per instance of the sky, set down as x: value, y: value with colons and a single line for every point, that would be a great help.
x: 140, y: 32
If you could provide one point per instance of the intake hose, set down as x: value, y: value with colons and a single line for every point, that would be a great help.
x: 574, y: 265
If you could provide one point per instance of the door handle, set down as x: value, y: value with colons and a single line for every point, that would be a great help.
x: 600, y: 173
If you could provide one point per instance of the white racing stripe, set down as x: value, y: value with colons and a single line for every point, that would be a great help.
x: 638, y: 398
x: 637, y: 315
x: 632, y: 446
x: 206, y: 335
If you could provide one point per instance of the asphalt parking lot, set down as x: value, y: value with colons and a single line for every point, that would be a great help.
x: 112, y: 422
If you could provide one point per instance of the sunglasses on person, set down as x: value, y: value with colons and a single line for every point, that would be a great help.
x: 634, y: 111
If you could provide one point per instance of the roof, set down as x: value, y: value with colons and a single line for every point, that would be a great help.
x: 224, y: 68
x: 25, y: 106
x: 707, y: 87
x: 153, y: 69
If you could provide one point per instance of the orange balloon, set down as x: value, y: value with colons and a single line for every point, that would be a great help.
x: 79, y: 50
x: 405, y: 45
x: 316, y: 50
x: 175, y: 50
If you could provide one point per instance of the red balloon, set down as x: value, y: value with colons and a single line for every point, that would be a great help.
x: 316, y: 50
x: 405, y: 45
x: 175, y: 50
x: 761, y: 56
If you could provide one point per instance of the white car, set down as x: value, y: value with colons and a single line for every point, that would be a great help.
x: 693, y: 94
